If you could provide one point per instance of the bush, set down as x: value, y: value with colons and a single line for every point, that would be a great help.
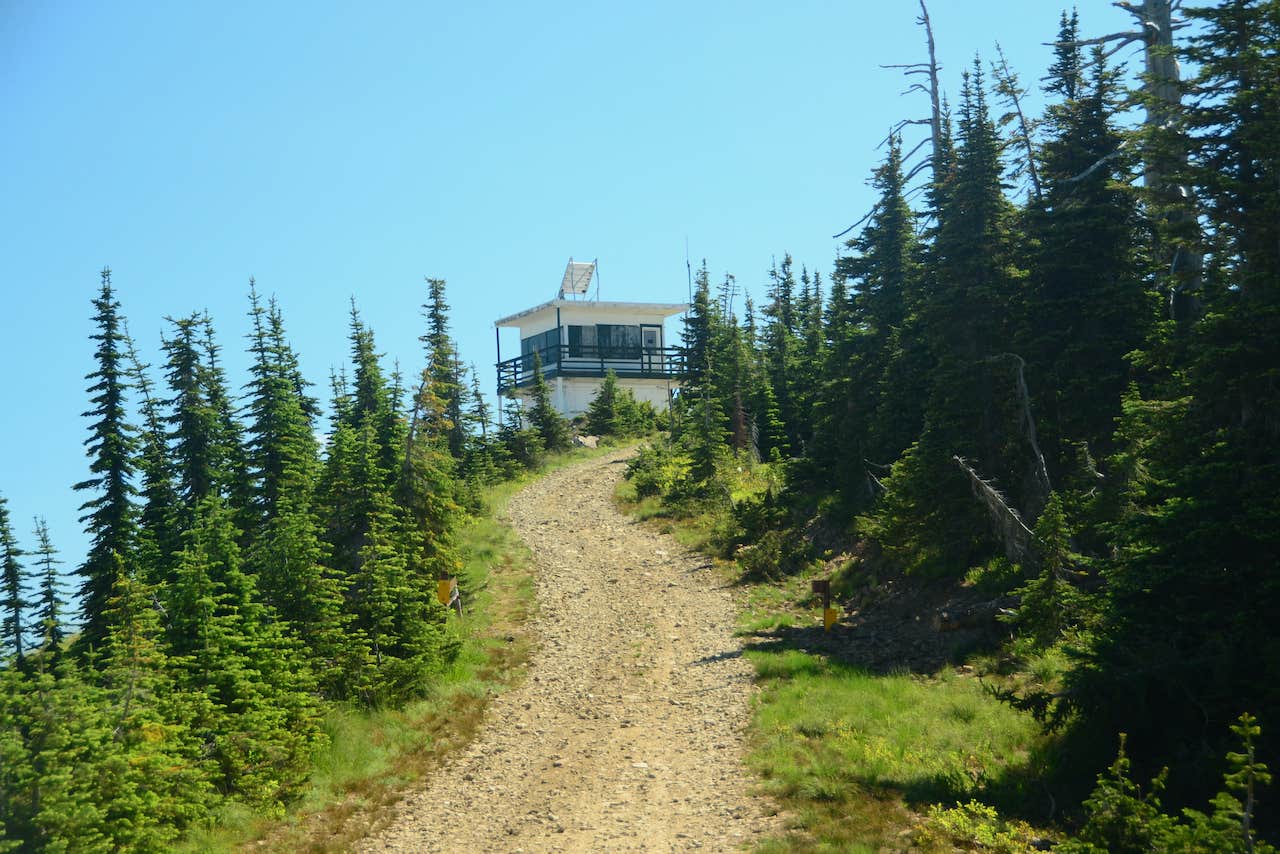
x: 1122, y: 819
x: 655, y: 470
x: 975, y: 825
x: 775, y: 554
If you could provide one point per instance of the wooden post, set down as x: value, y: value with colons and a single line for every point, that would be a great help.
x: 823, y: 586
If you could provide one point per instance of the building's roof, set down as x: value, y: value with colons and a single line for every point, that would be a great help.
x: 666, y: 309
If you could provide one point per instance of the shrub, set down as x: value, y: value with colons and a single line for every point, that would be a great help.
x: 1122, y: 819
x: 655, y: 470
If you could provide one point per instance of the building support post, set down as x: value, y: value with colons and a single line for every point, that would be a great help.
x: 497, y: 345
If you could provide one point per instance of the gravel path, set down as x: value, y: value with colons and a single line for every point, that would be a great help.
x: 627, y: 734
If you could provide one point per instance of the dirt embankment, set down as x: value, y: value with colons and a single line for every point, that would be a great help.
x: 627, y: 734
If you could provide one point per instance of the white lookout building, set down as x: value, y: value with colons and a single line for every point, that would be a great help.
x: 579, y: 339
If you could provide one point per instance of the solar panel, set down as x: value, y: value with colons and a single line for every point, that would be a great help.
x: 577, y: 277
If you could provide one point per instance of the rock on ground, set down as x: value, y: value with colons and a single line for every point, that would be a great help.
x: 628, y: 733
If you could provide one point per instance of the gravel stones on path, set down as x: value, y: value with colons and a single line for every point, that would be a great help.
x: 628, y: 732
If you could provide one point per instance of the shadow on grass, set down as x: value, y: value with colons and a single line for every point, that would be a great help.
x: 880, y: 650
x: 927, y: 735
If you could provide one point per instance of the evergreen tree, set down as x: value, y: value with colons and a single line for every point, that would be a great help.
x: 158, y: 521
x: 51, y: 604
x: 403, y: 625
x: 150, y: 785
x: 427, y: 493
x: 614, y: 411
x: 972, y: 410
x: 68, y: 742
x: 768, y: 429
x: 195, y: 425
x: 229, y: 439
x: 1090, y: 308
x: 549, y: 423
x: 521, y: 442
x: 779, y: 344
x: 1187, y: 626
x: 870, y: 408
x: 286, y: 549
x: 111, y: 447
x: 259, y: 718
x: 442, y: 365
x: 372, y: 401
x: 15, y: 763
x: 809, y: 354
x: 13, y: 584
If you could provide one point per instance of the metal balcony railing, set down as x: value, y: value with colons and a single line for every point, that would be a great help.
x: 592, y: 361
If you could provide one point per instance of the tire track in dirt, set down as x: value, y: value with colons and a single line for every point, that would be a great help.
x: 628, y: 733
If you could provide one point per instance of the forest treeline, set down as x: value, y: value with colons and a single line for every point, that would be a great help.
x: 1048, y: 378
x: 241, y: 579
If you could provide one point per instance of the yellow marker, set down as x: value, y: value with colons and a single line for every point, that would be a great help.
x: 828, y: 618
x: 444, y: 590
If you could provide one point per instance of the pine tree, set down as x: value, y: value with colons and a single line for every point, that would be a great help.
x: 111, y: 447
x: 372, y: 402
x: 549, y: 423
x: 972, y: 410
x: 195, y: 425
x: 391, y: 607
x: 158, y: 521
x: 442, y: 365
x: 870, y: 405
x: 234, y: 482
x: 768, y: 429
x: 51, y: 605
x: 1187, y: 626
x: 150, y: 785
x: 260, y: 718
x: 13, y: 588
x: 614, y: 411
x: 285, y: 547
x: 1086, y: 309
x: 15, y: 762
x: 809, y: 354
x: 68, y: 742
x: 779, y: 345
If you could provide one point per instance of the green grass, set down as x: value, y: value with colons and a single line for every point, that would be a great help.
x: 852, y: 756
x: 373, y: 756
x: 854, y: 760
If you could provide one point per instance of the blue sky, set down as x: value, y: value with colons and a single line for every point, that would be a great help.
x: 339, y: 150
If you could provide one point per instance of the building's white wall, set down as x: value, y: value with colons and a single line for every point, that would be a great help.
x: 572, y: 395
x: 588, y: 315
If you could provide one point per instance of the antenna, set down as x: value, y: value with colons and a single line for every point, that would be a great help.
x: 688, y: 268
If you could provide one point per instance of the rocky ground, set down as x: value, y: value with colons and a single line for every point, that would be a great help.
x: 628, y: 733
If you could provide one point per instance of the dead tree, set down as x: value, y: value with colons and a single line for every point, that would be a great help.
x: 933, y: 89
x: 1038, y: 476
x: 1006, y: 522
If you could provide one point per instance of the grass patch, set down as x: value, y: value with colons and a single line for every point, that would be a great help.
x: 858, y: 761
x: 853, y: 756
x: 373, y: 756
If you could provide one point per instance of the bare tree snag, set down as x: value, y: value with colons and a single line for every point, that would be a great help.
x: 1005, y: 521
x: 934, y: 121
x: 1039, y: 475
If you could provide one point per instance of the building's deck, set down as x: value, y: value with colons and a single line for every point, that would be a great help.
x: 593, y: 362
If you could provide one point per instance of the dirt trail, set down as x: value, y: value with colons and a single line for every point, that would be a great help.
x: 627, y: 734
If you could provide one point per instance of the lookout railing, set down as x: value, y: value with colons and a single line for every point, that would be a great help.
x: 593, y: 361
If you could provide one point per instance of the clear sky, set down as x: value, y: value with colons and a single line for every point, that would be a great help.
x: 337, y: 150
